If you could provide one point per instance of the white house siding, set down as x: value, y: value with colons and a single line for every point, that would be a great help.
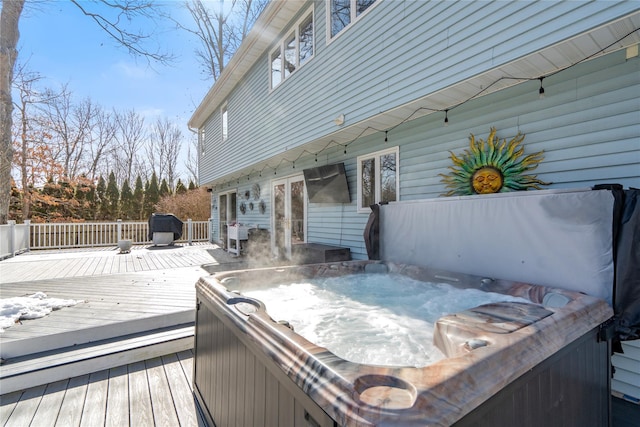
x: 588, y: 126
x: 369, y: 69
x: 626, y: 379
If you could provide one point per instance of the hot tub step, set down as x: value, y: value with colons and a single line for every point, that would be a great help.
x: 41, y: 368
x: 13, y: 348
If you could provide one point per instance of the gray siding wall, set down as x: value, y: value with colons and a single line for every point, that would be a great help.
x: 588, y: 126
x: 370, y: 68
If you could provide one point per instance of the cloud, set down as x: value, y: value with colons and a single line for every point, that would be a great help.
x: 132, y: 71
x: 151, y: 113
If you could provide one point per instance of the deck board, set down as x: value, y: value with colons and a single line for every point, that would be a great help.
x: 155, y: 392
x: 95, y: 403
x: 118, y: 398
x: 140, y: 408
x: 73, y: 403
x: 49, y: 407
x: 24, y: 410
x: 7, y: 403
x: 179, y: 381
x: 161, y: 398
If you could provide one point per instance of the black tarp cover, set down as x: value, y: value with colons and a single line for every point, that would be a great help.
x: 627, y: 290
x: 165, y: 223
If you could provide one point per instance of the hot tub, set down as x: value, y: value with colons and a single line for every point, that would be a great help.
x: 539, y: 362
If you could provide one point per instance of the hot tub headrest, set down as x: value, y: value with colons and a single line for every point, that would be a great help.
x: 549, y: 237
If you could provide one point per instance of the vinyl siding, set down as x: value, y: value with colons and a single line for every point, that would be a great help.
x: 371, y: 68
x: 588, y: 126
x: 626, y: 378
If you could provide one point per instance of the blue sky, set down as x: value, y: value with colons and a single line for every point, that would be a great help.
x: 64, y: 46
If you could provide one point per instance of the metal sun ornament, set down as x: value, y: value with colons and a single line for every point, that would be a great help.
x: 492, y: 167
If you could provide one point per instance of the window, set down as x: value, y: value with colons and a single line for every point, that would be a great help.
x: 225, y: 122
x: 377, y: 178
x: 276, y: 68
x: 293, y: 51
x: 344, y: 12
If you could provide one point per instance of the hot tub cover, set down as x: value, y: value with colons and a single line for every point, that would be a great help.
x: 584, y: 240
x: 165, y: 223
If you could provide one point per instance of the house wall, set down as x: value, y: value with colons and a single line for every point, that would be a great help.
x: 588, y: 126
x: 367, y: 69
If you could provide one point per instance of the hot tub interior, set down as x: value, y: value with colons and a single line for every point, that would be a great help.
x: 390, y: 315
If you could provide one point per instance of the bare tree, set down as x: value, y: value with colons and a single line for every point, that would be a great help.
x: 220, y: 30
x: 163, y: 150
x: 28, y: 136
x: 104, y: 132
x: 192, y: 157
x: 124, y: 13
x: 71, y: 126
x: 130, y: 136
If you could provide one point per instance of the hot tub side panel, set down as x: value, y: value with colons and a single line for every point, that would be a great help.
x: 236, y: 385
x: 570, y: 388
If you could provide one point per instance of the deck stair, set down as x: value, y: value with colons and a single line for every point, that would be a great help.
x: 110, y: 350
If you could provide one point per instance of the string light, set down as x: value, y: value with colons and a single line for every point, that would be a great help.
x: 541, y: 94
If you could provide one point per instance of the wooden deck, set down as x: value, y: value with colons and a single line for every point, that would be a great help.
x: 122, y: 296
x: 148, y: 283
x: 155, y: 392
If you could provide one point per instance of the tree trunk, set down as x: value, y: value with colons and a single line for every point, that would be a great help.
x: 9, y: 34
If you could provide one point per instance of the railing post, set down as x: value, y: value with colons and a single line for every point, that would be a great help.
x: 210, y: 230
x: 27, y: 222
x: 12, y: 237
x: 119, y: 227
x: 190, y: 231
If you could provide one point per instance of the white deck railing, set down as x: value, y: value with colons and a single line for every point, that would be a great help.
x: 16, y: 238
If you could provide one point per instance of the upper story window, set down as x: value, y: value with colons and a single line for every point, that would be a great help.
x: 293, y: 51
x: 343, y: 12
x: 378, y: 178
x: 225, y: 122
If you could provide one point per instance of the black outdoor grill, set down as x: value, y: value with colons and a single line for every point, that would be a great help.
x: 160, y: 224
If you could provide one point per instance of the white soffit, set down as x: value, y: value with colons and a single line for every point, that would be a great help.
x: 589, y: 45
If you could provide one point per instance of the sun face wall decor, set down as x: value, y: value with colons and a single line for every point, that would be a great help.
x: 492, y: 167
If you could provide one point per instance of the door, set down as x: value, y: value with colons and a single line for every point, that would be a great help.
x: 227, y: 205
x: 289, y: 203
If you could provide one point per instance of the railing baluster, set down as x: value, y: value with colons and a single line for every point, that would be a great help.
x: 90, y: 234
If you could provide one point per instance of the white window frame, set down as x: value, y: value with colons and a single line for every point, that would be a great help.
x: 281, y: 47
x: 354, y: 18
x: 378, y: 189
x: 224, y: 122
